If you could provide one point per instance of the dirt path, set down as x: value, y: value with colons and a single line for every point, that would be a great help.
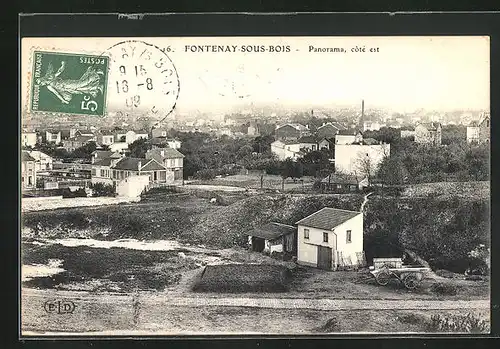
x: 365, y: 201
x: 170, y: 313
x: 197, y: 300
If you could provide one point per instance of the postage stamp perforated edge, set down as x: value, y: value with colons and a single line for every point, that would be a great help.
x: 26, y: 105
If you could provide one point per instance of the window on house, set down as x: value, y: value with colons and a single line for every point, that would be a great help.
x: 325, y: 237
x: 93, y: 172
x: 339, y: 186
x: 172, y: 162
x: 30, y: 180
x: 348, y: 236
x: 306, y: 234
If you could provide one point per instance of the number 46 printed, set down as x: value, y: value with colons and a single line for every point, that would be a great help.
x: 87, y: 104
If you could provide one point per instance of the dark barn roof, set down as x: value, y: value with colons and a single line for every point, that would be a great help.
x: 327, y: 218
x: 25, y: 156
x: 308, y: 139
x: 131, y: 164
x: 272, y: 231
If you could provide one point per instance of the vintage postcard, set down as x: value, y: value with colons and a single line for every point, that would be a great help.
x: 255, y: 185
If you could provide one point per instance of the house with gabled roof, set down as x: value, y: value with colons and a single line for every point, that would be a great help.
x: 52, y: 136
x: 78, y: 141
x: 291, y: 131
x: 105, y: 137
x: 348, y: 137
x: 479, y: 131
x: 127, y: 166
x: 329, y: 129
x: 330, y: 238
x: 28, y: 171
x: 285, y: 149
x: 172, y: 160
x: 428, y: 133
x: 43, y: 162
x: 343, y: 183
x: 308, y: 143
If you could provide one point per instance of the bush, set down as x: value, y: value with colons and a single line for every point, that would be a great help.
x: 80, y: 193
x: 205, y: 174
x: 443, y: 289
x: 101, y: 189
x: 459, y: 323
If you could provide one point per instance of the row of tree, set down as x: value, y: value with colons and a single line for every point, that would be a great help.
x: 417, y: 163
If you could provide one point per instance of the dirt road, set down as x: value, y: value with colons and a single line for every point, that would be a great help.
x: 197, y: 300
x: 101, y: 312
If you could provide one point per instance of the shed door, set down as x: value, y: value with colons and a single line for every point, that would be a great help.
x: 324, y: 257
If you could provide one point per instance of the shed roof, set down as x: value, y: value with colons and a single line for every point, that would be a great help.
x: 101, y: 154
x: 370, y: 141
x: 328, y: 218
x: 308, y: 139
x: 131, y: 164
x: 272, y: 230
x: 103, y: 162
x: 25, y: 156
x: 168, y: 153
x: 153, y: 165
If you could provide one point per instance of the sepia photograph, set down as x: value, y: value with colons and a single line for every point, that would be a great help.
x: 254, y: 185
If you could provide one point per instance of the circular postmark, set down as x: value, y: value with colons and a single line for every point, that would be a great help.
x: 142, y: 80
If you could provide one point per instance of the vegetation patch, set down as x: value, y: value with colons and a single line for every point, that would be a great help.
x: 121, y: 269
x: 241, y: 278
x: 331, y: 325
x: 444, y: 289
x: 458, y: 323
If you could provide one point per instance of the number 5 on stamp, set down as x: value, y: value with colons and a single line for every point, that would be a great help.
x: 69, y: 83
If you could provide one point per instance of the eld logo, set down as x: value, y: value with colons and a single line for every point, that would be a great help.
x: 59, y: 307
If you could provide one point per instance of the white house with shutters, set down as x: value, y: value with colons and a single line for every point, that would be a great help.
x: 330, y: 238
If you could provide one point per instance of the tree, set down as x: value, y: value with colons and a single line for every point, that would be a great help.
x: 315, y: 161
x: 364, y: 166
x: 392, y: 171
x: 139, y: 147
x: 85, y: 151
x: 262, y: 144
x: 290, y: 169
x: 286, y: 171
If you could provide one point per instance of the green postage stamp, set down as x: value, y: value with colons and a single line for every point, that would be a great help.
x: 69, y: 83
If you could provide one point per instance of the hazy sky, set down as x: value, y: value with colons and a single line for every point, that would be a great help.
x: 407, y: 73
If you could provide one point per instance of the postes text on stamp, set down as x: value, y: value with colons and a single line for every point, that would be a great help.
x: 69, y: 83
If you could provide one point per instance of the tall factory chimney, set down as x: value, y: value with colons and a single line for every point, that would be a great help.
x: 362, y: 118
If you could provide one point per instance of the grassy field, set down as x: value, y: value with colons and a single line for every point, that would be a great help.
x: 125, y: 270
x: 192, y: 219
x: 253, y: 181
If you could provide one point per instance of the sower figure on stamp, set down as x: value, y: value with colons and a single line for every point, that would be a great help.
x: 65, y: 89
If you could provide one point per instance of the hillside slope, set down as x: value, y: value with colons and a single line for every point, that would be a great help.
x: 441, y: 230
x: 228, y: 226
